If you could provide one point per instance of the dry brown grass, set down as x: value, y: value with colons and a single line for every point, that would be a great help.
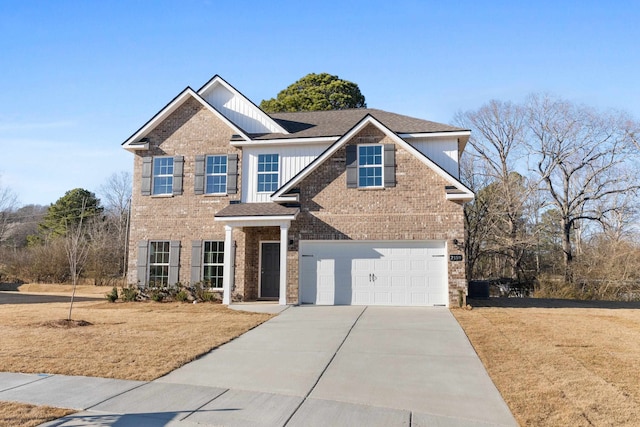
x: 561, y: 366
x: 135, y: 341
x: 21, y: 414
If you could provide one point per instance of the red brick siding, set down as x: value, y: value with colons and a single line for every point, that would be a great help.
x: 415, y: 209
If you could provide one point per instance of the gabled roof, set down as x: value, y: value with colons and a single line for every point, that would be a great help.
x: 456, y: 190
x: 137, y: 142
x: 310, y: 124
x: 238, y: 108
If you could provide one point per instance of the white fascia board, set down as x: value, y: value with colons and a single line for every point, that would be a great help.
x: 453, y: 134
x: 466, y: 197
x: 282, y: 199
x: 130, y: 144
x: 369, y: 119
x: 257, y: 221
x: 217, y: 80
x: 286, y: 141
x: 318, y: 161
x: 462, y: 136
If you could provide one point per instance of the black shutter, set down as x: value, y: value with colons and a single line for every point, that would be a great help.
x: 196, y: 261
x: 352, y: 166
x: 389, y: 165
x: 232, y: 174
x: 143, y: 259
x: 174, y: 261
x: 199, y: 175
x: 178, y: 168
x: 147, y: 166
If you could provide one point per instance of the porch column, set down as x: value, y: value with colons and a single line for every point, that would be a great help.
x: 284, y: 242
x: 227, y: 274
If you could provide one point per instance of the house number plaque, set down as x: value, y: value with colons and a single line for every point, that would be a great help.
x: 455, y: 257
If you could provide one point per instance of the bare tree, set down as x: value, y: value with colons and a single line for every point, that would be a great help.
x: 580, y: 155
x: 116, y: 194
x: 8, y: 204
x: 497, y: 141
x: 77, y: 249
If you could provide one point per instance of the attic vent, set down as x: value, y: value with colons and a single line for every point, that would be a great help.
x: 236, y: 137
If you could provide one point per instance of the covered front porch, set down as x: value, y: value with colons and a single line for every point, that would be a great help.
x: 263, y: 255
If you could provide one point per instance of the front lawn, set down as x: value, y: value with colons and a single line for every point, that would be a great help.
x: 133, y: 341
x: 562, y: 366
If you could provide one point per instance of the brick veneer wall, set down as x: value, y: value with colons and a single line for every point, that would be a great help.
x: 189, y: 131
x: 415, y: 209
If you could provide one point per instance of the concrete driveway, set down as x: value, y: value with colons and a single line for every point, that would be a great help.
x: 319, y: 366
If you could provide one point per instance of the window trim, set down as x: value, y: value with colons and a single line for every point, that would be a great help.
x: 265, y: 173
x: 216, y: 174
x: 380, y: 166
x: 155, y: 176
x: 204, y: 265
x: 156, y: 264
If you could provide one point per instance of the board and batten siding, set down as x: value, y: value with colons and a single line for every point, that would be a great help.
x: 292, y: 161
x: 244, y: 114
x: 443, y: 152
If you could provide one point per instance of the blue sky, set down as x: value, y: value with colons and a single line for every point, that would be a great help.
x: 79, y: 77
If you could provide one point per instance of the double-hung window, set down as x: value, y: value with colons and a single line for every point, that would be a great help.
x: 370, y: 166
x: 213, y: 263
x: 268, y: 168
x: 216, y: 175
x: 162, y: 175
x: 159, y: 263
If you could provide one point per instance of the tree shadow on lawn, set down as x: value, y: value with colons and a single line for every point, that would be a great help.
x: 550, y: 303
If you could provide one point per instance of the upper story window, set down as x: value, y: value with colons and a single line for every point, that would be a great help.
x: 216, y: 175
x: 370, y: 165
x: 268, y: 172
x: 162, y: 175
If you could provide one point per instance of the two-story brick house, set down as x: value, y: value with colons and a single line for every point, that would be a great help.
x: 355, y: 206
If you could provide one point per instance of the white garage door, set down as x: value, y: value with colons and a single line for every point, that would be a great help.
x: 373, y: 273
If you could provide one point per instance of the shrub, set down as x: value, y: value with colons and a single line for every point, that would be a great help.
x: 113, y: 295
x: 182, y: 295
x: 129, y: 293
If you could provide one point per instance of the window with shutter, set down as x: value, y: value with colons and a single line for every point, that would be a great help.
x: 216, y: 175
x: 370, y: 169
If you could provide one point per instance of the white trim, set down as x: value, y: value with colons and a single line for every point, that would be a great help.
x: 217, y: 80
x: 461, y: 133
x: 207, y: 175
x: 284, y: 245
x: 131, y: 142
x: 259, y: 221
x: 260, y: 243
x: 369, y: 119
x: 227, y: 272
x: 380, y: 166
x: 285, y: 141
x: 203, y: 265
x: 258, y: 173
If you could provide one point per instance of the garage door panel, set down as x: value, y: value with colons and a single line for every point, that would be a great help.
x: 374, y: 273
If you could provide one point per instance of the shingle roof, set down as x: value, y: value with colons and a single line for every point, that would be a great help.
x: 310, y: 124
x: 256, y: 209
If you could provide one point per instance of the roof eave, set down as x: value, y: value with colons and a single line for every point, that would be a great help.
x: 133, y: 143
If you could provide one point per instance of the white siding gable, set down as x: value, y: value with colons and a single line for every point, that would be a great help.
x: 442, y: 151
x: 239, y: 110
x: 292, y: 160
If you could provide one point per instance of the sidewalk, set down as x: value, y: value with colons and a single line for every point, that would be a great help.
x: 309, y: 366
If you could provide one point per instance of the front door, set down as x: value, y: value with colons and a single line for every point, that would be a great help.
x: 270, y: 270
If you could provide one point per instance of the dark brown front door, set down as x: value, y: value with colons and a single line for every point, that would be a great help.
x: 270, y: 270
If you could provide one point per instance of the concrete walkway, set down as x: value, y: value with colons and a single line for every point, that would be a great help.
x: 309, y: 366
